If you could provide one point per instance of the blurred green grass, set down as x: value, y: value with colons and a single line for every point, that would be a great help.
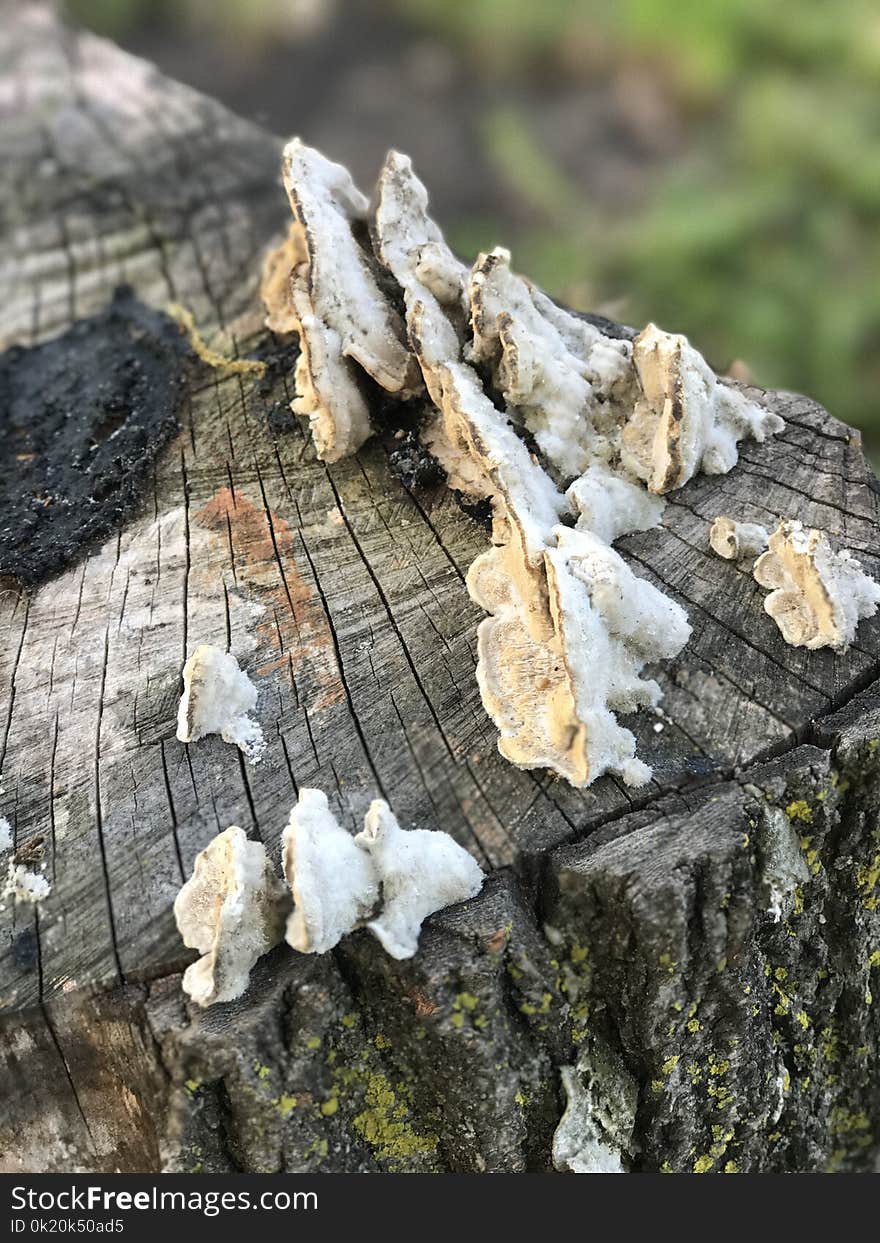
x: 762, y: 241
x: 759, y: 237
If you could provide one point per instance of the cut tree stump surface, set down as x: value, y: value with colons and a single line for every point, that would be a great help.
x: 340, y: 589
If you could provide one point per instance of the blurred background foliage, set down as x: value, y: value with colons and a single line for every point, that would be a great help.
x: 710, y: 164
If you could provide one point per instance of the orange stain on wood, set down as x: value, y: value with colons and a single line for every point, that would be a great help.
x: 295, y: 632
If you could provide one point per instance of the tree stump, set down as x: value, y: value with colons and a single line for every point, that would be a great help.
x: 689, y: 966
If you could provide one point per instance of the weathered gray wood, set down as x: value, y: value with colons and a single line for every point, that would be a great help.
x: 342, y: 593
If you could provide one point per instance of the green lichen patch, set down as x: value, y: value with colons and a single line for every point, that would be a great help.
x: 385, y: 1124
x: 542, y: 1007
x: 800, y: 809
x: 466, y: 1013
x: 867, y: 876
x: 852, y: 1130
x: 811, y: 855
x: 285, y: 1104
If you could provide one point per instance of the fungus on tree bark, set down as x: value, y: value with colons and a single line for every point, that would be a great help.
x: 685, y: 419
x: 420, y: 872
x: 336, y: 304
x: 232, y: 911
x: 334, y: 884
x: 218, y: 699
x: 735, y: 541
x: 623, y: 933
x: 817, y: 596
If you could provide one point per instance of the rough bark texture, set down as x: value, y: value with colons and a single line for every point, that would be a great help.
x: 628, y: 935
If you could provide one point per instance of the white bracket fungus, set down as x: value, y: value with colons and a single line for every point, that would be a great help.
x: 420, y: 872
x: 387, y: 878
x: 817, y: 596
x: 737, y: 541
x: 334, y: 883
x: 611, y: 506
x: 620, y: 421
x: 335, y: 303
x: 232, y: 910
x: 550, y: 366
x: 610, y: 623
x: 535, y: 672
x: 686, y: 419
x: 217, y: 698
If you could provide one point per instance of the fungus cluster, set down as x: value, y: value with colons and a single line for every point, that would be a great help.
x: 234, y: 908
x: 21, y: 883
x: 570, y: 433
x: 817, y: 596
x: 325, y: 283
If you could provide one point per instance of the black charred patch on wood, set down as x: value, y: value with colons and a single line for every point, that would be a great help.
x: 82, y: 418
x: 274, y: 389
x: 398, y: 425
x: 413, y: 464
x: 477, y: 507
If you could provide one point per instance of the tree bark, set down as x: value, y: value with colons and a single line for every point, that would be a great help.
x: 626, y: 946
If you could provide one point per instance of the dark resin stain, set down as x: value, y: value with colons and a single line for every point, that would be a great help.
x: 82, y: 419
